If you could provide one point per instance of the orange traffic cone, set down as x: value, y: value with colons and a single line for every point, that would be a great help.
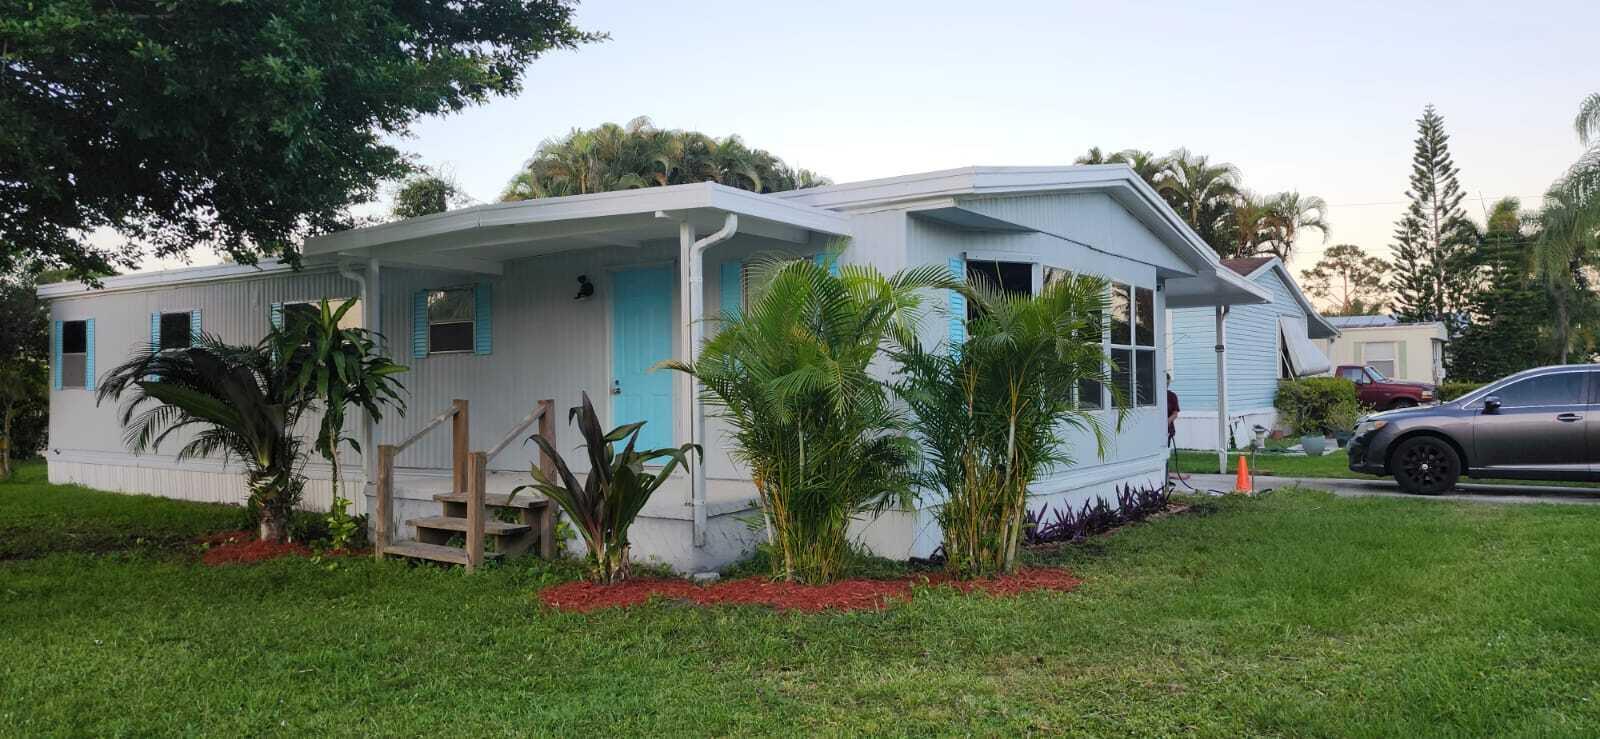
x: 1241, y: 483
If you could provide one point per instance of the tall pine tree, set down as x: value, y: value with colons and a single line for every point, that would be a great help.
x: 1433, y: 271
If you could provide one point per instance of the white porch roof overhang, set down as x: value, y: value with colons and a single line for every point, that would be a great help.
x: 481, y: 238
x: 1197, y: 278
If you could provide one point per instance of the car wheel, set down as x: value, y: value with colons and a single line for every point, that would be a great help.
x: 1426, y: 465
x: 1403, y: 403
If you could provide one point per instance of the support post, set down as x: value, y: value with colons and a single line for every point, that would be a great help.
x: 547, y: 465
x: 385, y: 494
x: 1222, y: 390
x: 478, y: 463
x: 459, y: 446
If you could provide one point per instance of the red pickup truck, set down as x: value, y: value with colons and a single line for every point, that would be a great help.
x: 1377, y: 391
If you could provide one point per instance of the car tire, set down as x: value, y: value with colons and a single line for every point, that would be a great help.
x: 1425, y: 465
x: 1403, y: 403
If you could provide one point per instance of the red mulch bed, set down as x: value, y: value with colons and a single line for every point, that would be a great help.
x: 242, y: 547
x: 847, y: 595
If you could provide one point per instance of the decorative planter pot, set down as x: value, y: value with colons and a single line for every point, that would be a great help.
x: 1315, y: 446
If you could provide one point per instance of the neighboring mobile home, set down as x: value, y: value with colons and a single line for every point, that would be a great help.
x: 1401, y: 351
x: 488, y: 304
x: 1266, y: 343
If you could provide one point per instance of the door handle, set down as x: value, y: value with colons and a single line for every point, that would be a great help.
x: 1569, y: 417
x: 616, y: 387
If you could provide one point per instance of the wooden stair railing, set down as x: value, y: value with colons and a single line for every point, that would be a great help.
x: 457, y: 415
x: 478, y: 464
x: 465, y: 507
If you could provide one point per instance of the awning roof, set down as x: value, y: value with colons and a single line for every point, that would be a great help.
x: 1304, y: 357
x: 480, y: 238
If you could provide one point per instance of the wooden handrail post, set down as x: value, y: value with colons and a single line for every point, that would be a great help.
x: 459, y: 446
x: 547, y: 515
x: 385, y: 495
x: 478, y: 478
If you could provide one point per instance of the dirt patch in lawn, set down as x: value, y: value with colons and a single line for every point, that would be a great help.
x: 846, y: 595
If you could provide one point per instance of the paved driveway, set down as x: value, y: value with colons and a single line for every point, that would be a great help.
x: 1470, y: 492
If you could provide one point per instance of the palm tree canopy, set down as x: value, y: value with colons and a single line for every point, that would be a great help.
x: 612, y: 157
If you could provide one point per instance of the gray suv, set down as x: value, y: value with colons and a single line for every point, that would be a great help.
x: 1542, y: 424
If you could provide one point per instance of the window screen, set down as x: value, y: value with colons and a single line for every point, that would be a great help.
x: 175, y: 331
x: 1122, y: 371
x: 1380, y: 355
x: 74, y: 352
x: 450, y: 319
x: 1121, y: 315
x: 1144, y: 316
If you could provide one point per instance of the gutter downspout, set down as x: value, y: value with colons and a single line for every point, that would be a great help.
x: 692, y: 255
x: 1222, y: 390
x: 368, y: 433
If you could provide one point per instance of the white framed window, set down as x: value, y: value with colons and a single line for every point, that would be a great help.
x: 1382, y: 356
x: 1133, y: 343
x: 452, y: 317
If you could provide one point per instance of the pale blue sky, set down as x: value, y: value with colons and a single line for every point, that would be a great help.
x: 1319, y: 98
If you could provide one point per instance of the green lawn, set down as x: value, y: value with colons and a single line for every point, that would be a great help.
x: 37, y: 517
x: 1291, y: 614
x: 1334, y: 464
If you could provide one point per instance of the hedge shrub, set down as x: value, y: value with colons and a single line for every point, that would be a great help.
x: 1451, y: 390
x: 1314, y: 406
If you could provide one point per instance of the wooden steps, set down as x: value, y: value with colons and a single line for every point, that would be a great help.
x: 498, y: 500
x: 511, y: 526
x: 491, y: 526
x: 432, y: 552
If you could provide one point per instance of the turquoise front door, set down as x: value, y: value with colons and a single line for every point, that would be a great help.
x: 641, y: 335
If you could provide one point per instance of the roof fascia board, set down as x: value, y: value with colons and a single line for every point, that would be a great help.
x: 1276, y: 264
x: 172, y: 277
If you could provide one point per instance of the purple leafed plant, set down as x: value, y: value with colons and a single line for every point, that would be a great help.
x: 1098, y: 515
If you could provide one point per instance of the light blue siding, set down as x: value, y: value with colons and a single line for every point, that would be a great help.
x: 1253, y: 353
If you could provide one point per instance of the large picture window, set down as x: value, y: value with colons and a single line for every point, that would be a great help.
x: 451, y: 316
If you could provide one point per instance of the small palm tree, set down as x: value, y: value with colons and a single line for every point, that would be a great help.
x: 994, y: 413
x: 1201, y: 192
x: 335, y: 367
x: 236, y: 401
x: 819, y: 432
x: 1287, y: 215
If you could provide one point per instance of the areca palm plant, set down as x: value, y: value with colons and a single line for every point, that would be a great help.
x: 233, y: 401
x: 997, y: 411
x: 822, y: 439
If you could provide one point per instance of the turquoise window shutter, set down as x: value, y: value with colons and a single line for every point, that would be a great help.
x: 419, y: 324
x: 821, y: 259
x: 276, y: 316
x: 55, y: 360
x: 194, y: 326
x: 731, y: 286
x: 958, y: 307
x: 155, y: 340
x: 482, y: 319
x: 88, y: 357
